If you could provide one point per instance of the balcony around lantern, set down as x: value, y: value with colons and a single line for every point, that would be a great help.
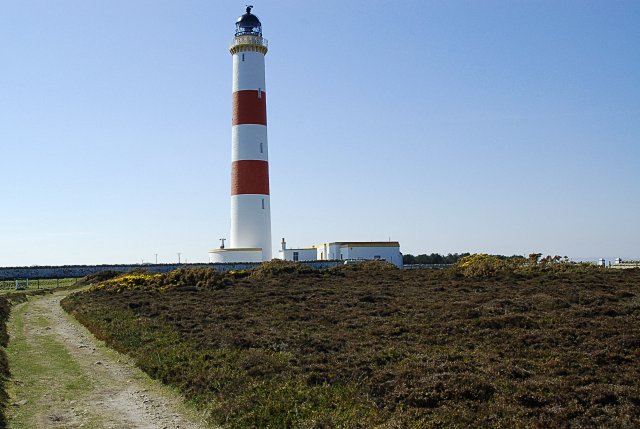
x: 248, y: 40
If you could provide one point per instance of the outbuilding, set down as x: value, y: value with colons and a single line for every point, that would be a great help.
x: 345, y: 250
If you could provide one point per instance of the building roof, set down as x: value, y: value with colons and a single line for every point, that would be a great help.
x: 299, y: 248
x: 362, y: 244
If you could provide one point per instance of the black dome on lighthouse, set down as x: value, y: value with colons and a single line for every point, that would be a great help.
x: 248, y: 24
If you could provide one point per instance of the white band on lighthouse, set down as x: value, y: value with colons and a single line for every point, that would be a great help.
x: 248, y: 71
x: 241, y: 150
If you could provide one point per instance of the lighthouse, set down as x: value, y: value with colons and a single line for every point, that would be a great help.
x: 250, y: 239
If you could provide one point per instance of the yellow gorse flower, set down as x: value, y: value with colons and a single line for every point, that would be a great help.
x: 130, y: 281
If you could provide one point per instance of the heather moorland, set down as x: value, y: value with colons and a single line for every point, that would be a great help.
x: 487, y: 343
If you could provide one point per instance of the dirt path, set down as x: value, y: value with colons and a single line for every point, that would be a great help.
x: 64, y: 378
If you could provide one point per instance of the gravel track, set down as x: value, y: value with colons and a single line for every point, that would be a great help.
x: 119, y: 396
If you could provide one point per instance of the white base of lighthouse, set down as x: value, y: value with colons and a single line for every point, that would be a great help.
x: 251, y: 223
x: 235, y: 255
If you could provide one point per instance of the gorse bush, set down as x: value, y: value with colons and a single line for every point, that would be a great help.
x: 201, y: 278
x: 483, y: 265
x: 371, y: 266
x: 130, y: 281
x: 277, y: 267
x: 204, y: 278
x: 209, y: 278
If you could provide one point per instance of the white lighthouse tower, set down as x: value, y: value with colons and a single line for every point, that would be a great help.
x: 250, y: 203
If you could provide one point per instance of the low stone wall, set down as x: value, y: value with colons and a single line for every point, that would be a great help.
x: 426, y: 266
x: 70, y: 271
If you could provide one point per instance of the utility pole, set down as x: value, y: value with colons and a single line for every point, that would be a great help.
x: 179, y: 253
x: 156, y: 258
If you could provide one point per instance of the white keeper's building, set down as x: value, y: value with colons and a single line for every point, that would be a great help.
x: 342, y: 250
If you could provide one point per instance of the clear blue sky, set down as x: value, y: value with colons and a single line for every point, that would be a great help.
x: 451, y: 126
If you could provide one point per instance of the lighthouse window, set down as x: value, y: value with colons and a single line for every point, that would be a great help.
x: 261, y: 151
x: 263, y: 204
x: 242, y: 57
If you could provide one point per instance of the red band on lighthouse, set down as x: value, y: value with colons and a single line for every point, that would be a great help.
x: 249, y: 107
x: 250, y: 177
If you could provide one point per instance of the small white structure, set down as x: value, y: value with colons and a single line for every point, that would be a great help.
x: 343, y: 250
x: 302, y: 254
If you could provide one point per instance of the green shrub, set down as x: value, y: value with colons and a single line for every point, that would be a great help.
x: 482, y: 265
x: 205, y: 278
x: 278, y: 268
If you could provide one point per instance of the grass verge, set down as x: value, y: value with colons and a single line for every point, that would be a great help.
x: 42, y: 370
x: 9, y: 286
x: 5, y: 308
x: 7, y: 300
